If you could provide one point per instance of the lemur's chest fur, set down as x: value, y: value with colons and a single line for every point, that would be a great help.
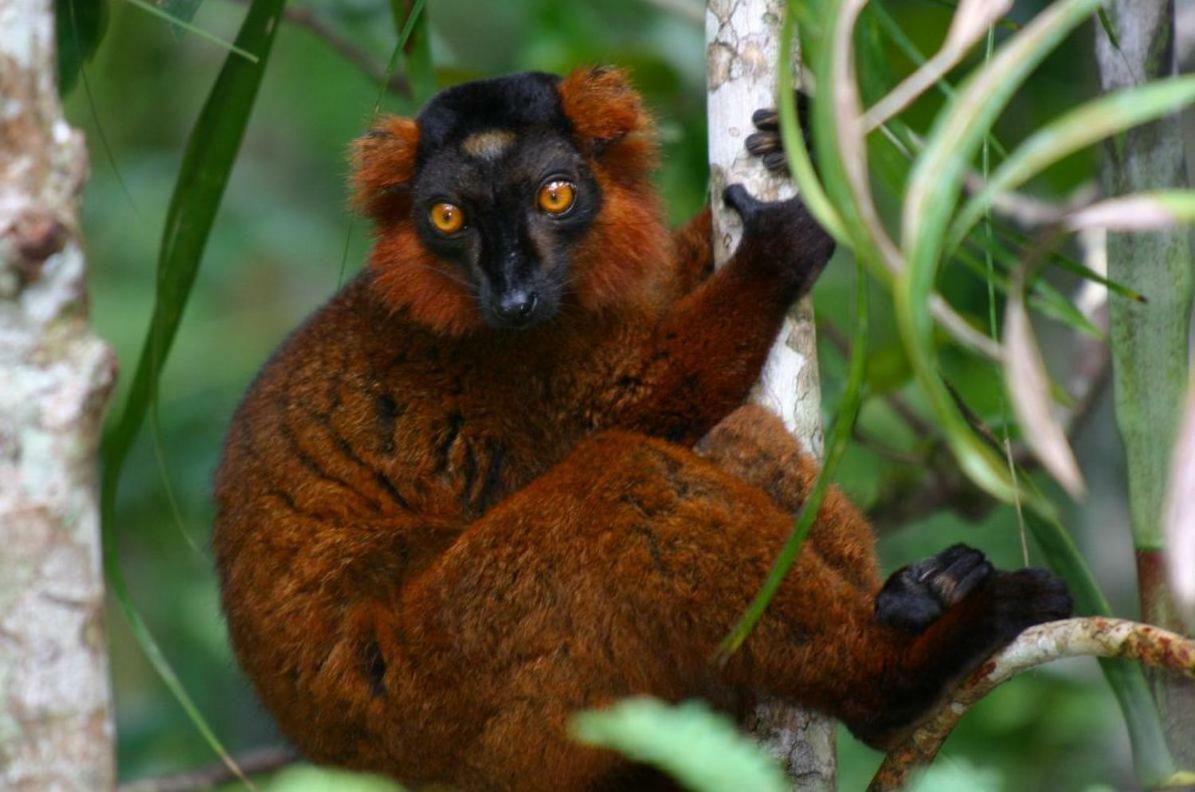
x: 451, y: 424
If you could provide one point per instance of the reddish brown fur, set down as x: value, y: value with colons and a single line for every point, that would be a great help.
x: 436, y: 542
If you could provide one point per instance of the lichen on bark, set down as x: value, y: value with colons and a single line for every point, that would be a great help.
x: 742, y: 51
x: 55, y: 717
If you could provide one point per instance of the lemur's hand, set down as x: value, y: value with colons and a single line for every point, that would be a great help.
x: 766, y: 142
x: 780, y: 238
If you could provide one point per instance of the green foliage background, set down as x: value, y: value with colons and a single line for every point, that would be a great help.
x: 276, y: 253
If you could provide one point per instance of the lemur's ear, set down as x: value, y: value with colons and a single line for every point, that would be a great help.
x: 383, y: 163
x: 604, y: 109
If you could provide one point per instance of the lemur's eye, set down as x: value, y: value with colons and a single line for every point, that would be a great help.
x: 557, y: 196
x: 447, y: 218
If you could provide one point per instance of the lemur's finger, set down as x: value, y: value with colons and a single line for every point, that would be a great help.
x: 738, y: 199
x: 766, y: 119
x: 760, y: 143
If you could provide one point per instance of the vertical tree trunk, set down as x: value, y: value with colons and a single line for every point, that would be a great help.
x: 55, y: 716
x: 742, y: 44
x: 1149, y: 341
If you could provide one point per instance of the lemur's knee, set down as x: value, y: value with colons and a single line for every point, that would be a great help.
x: 753, y: 444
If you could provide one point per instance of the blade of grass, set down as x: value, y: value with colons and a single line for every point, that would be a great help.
x: 1061, y: 261
x: 1043, y: 298
x: 840, y: 436
x: 934, y: 188
x: 207, y: 162
x: 970, y: 23
x: 406, y: 29
x: 898, y: 37
x: 1075, y: 130
x: 71, y: 11
x: 1143, y: 211
x: 799, y: 164
x: 79, y: 28
x: 412, y: 25
x: 194, y: 30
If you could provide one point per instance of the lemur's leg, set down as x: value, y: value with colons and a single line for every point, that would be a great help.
x: 618, y: 573
x: 956, y: 606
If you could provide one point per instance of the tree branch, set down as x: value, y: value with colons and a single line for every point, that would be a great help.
x: 255, y: 762
x: 314, y: 24
x: 1091, y: 637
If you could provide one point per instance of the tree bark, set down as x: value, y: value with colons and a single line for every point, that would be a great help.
x: 742, y: 45
x: 1149, y: 341
x: 56, y: 728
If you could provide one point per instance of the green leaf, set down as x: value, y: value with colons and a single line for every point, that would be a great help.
x: 414, y: 42
x: 700, y: 748
x: 179, y: 9
x: 1143, y: 211
x: 799, y: 163
x: 933, y: 193
x: 306, y: 778
x: 1044, y: 298
x: 180, y: 22
x: 207, y: 162
x: 934, y: 188
x: 1077, y: 129
x: 840, y: 437
x: 79, y: 27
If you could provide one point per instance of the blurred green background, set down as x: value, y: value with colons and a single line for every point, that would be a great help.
x: 277, y: 251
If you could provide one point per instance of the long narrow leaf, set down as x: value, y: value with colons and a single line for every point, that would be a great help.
x: 1178, y: 519
x: 840, y: 436
x: 1075, y: 130
x: 934, y: 188
x: 1143, y: 211
x: 207, y: 162
x: 813, y: 195
x: 79, y: 28
x: 194, y: 30
x: 1029, y: 388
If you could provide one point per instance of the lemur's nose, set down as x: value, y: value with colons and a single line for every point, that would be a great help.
x: 516, y: 306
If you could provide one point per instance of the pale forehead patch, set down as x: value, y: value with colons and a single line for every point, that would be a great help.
x: 490, y: 144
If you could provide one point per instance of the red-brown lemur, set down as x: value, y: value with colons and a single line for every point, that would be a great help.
x: 506, y: 474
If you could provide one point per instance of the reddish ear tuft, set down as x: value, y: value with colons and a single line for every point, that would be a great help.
x: 383, y: 162
x: 604, y: 109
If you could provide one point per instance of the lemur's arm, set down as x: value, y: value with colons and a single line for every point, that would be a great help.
x: 700, y: 361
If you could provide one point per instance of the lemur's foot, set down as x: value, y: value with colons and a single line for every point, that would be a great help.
x: 916, y: 596
x: 766, y: 142
x: 959, y: 611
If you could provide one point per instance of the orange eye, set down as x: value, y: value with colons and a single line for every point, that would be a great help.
x: 557, y: 197
x: 447, y: 218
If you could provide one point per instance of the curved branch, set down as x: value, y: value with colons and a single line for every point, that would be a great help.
x: 1094, y: 637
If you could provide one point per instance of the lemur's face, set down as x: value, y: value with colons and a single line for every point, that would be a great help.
x: 502, y: 193
x: 507, y: 199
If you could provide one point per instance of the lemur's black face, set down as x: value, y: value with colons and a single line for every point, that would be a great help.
x: 501, y: 191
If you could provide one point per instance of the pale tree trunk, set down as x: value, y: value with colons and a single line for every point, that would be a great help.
x: 55, y: 715
x: 1149, y: 340
x: 742, y: 44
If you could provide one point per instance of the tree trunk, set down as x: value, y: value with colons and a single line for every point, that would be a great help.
x: 1149, y: 341
x: 742, y: 44
x: 55, y: 716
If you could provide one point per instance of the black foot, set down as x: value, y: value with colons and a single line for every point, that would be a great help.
x: 1027, y: 597
x: 766, y: 142
x: 915, y: 596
